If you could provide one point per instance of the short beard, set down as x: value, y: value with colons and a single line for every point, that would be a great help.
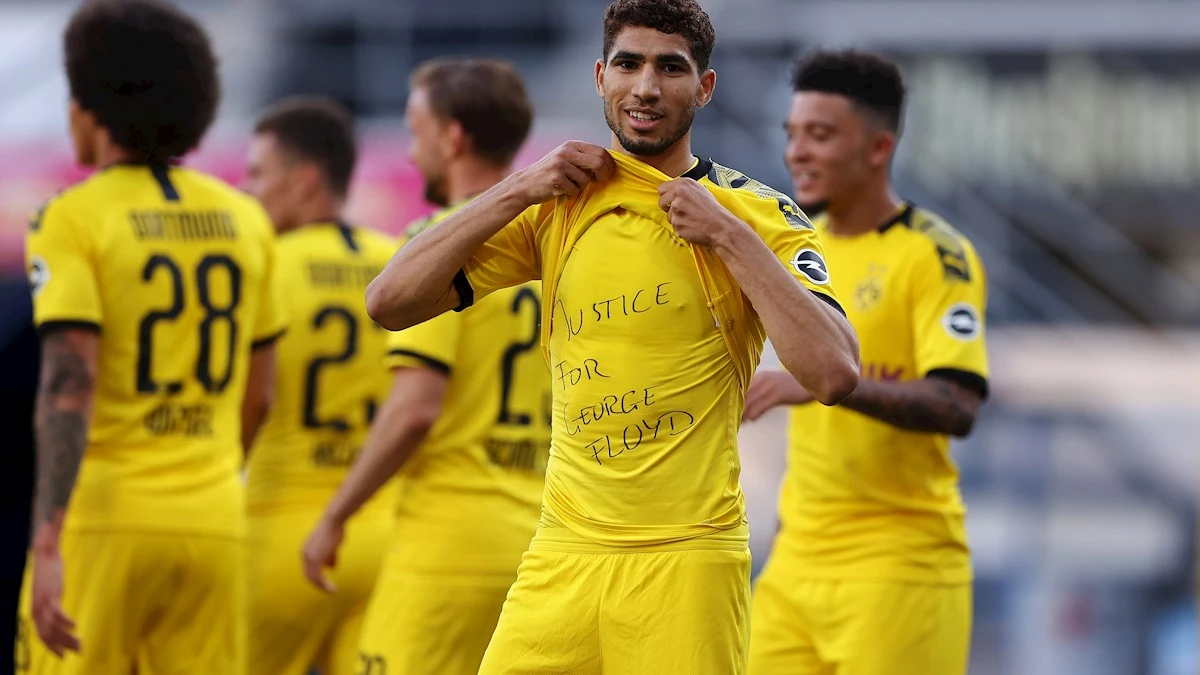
x: 435, y: 192
x: 648, y: 148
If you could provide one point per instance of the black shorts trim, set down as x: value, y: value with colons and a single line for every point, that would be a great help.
x: 430, y: 362
x: 466, y: 294
x: 964, y: 378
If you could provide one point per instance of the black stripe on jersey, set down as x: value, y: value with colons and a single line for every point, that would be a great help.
x: 829, y: 301
x: 904, y: 217
x: 466, y: 294
x: 700, y: 170
x: 268, y: 340
x: 347, y: 233
x: 66, y: 324
x: 964, y: 378
x: 162, y: 174
x: 430, y: 362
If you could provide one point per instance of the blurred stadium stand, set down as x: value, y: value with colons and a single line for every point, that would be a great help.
x: 1063, y: 136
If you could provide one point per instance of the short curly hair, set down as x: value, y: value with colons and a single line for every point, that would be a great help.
x: 871, y: 81
x: 677, y: 17
x: 315, y: 129
x: 146, y: 70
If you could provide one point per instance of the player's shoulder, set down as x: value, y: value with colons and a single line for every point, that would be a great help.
x: 375, y: 242
x: 212, y: 191
x: 65, y: 200
x: 940, y: 242
x: 747, y: 187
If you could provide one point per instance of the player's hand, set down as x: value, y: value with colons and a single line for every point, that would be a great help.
x: 693, y: 211
x: 320, y: 552
x: 770, y: 388
x: 565, y: 171
x: 54, y: 627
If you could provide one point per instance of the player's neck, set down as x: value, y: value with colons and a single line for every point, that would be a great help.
x: 674, y: 161
x: 324, y: 209
x: 468, y: 177
x: 108, y: 154
x: 867, y: 211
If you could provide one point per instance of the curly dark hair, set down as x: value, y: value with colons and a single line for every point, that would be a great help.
x: 316, y: 129
x: 677, y: 17
x: 146, y: 71
x: 871, y: 81
x: 486, y: 96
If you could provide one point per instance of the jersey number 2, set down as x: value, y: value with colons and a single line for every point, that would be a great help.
x: 312, y: 374
x: 506, y: 415
x: 213, y: 313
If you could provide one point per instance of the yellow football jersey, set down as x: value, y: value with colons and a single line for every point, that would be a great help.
x: 471, y: 495
x: 328, y: 381
x: 862, y: 498
x: 647, y: 387
x: 176, y: 269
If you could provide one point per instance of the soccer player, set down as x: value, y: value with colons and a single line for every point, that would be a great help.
x: 467, y: 422
x: 328, y: 386
x: 870, y: 573
x: 662, y: 273
x: 154, y: 297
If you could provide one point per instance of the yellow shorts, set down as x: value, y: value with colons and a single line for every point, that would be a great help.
x: 678, y: 612
x: 160, y: 603
x: 425, y: 624
x: 819, y: 627
x: 293, y: 626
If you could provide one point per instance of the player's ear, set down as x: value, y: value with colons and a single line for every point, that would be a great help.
x: 454, y: 140
x: 708, y: 82
x: 600, y: 77
x: 883, y: 144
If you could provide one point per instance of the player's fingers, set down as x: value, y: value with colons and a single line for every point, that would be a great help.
x: 574, y: 181
x: 595, y: 161
x: 325, y: 584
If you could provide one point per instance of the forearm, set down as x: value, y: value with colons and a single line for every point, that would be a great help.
x: 389, y: 445
x: 931, y: 404
x: 813, y: 341
x: 64, y: 406
x: 417, y: 283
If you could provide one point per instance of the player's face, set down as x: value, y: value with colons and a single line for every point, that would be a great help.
x: 270, y: 177
x: 651, y: 88
x: 83, y: 133
x: 427, y: 143
x: 829, y: 148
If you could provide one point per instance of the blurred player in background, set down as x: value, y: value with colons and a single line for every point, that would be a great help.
x: 870, y: 573
x: 154, y: 297
x: 640, y: 563
x: 328, y: 384
x: 468, y: 420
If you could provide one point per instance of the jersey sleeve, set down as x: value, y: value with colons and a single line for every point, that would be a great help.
x: 432, y: 344
x: 63, y: 273
x: 509, y: 258
x: 796, y: 244
x: 272, y: 314
x: 949, y: 302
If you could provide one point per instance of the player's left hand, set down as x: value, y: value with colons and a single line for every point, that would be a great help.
x: 696, y: 215
x: 770, y: 388
x: 54, y: 627
x: 320, y: 552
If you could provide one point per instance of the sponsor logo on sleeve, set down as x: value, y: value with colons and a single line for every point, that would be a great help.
x: 961, y: 322
x: 809, y: 263
x: 39, y: 273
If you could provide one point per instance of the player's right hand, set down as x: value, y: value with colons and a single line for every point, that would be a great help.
x: 770, y: 388
x: 54, y: 627
x: 565, y: 172
x: 320, y: 552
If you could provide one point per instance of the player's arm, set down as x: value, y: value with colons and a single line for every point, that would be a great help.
x: 426, y: 278
x: 936, y: 403
x: 63, y: 412
x: 411, y: 409
x: 812, y: 338
x: 260, y: 392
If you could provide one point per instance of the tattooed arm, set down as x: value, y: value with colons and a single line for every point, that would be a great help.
x: 64, y: 407
x: 935, y: 404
